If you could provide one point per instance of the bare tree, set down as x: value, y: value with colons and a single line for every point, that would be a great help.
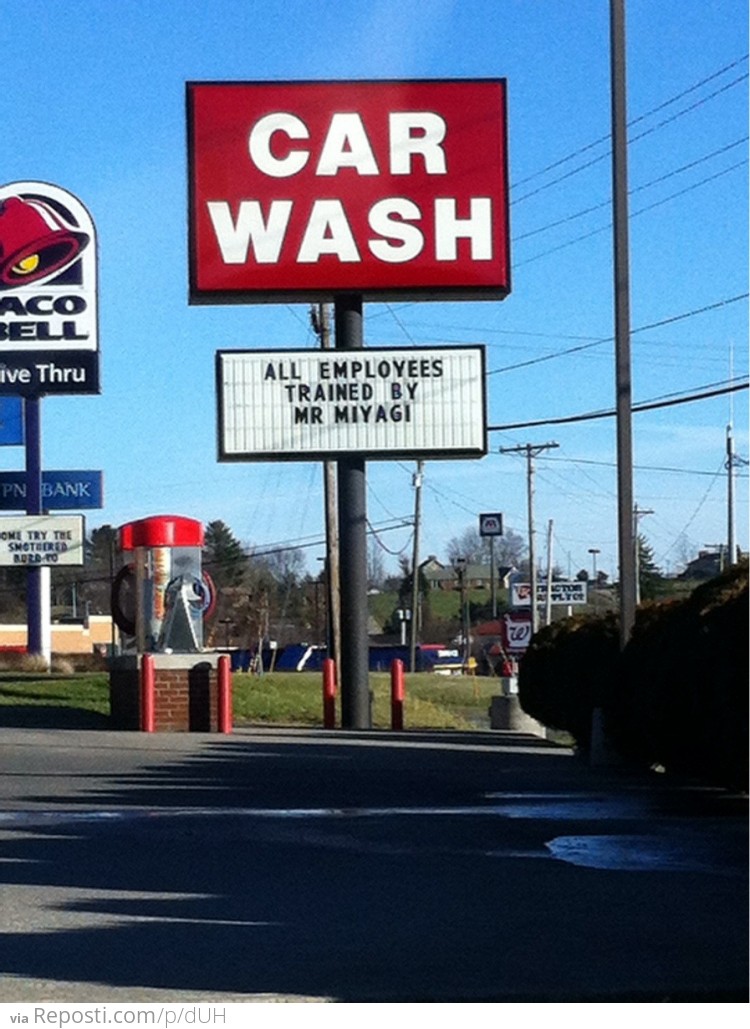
x: 376, y: 574
x: 509, y: 548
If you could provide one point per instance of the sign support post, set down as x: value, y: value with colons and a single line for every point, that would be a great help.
x: 352, y: 506
x: 37, y: 577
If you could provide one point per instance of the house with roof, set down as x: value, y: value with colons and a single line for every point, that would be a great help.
x: 439, y: 576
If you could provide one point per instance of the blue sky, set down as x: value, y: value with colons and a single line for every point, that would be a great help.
x: 94, y: 101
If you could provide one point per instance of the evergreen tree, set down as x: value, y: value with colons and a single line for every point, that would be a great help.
x: 85, y: 589
x: 650, y: 578
x: 223, y: 556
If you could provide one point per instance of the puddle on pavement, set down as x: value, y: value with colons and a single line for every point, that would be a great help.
x: 675, y: 851
x: 642, y: 854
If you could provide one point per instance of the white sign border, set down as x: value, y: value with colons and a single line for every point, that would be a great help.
x: 375, y: 454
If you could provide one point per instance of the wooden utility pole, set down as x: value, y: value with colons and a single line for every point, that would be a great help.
x: 548, y: 591
x: 531, y: 451
x: 733, y: 461
x: 321, y: 322
x: 623, y: 382
x: 415, y: 568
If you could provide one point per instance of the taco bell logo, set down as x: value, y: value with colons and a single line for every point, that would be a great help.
x: 48, y: 297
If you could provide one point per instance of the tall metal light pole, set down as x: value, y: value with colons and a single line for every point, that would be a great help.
x: 594, y: 551
x: 459, y: 566
x: 352, y: 518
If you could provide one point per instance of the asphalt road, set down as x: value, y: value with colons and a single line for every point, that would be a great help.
x: 345, y: 867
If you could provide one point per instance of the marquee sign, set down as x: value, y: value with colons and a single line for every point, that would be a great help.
x: 300, y: 191
x: 48, y: 298
x: 41, y: 540
x: 309, y: 405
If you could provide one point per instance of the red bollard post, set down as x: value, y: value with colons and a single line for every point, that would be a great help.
x: 329, y: 693
x: 397, y: 695
x: 224, y: 694
x: 148, y: 694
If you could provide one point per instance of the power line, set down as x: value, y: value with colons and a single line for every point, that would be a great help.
x: 400, y: 324
x: 634, y: 121
x: 608, y: 339
x: 594, y: 415
x: 372, y: 531
x: 633, y: 214
x: 639, y: 468
x: 636, y: 189
x: 632, y: 139
x: 281, y: 548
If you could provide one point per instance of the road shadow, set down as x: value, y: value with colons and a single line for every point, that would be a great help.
x: 350, y: 868
x: 47, y: 716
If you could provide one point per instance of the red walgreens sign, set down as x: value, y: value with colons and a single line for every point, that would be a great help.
x: 303, y: 190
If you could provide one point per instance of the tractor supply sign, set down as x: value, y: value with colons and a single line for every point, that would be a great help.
x: 562, y: 593
x: 303, y: 190
x: 313, y: 405
x: 38, y: 540
x: 48, y: 297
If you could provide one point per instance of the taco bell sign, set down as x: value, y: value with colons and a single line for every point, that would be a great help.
x: 303, y: 190
x: 48, y: 294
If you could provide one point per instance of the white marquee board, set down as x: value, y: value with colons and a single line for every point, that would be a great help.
x: 35, y: 541
x: 381, y: 403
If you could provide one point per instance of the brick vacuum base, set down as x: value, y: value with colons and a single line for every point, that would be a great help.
x: 185, y: 692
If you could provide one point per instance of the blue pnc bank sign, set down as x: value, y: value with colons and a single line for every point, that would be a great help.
x: 61, y: 491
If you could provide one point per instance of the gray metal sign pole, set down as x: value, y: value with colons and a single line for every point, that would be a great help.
x: 352, y: 509
x: 37, y: 578
x: 34, y: 579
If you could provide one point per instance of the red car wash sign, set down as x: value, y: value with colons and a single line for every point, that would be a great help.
x: 303, y: 190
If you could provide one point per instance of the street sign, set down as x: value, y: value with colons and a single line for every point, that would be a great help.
x: 491, y: 524
x: 303, y: 405
x: 300, y: 191
x: 562, y: 593
x: 61, y: 491
x: 11, y: 421
x: 34, y: 541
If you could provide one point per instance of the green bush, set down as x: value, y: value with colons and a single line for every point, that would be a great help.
x: 676, y: 696
x: 568, y: 671
x: 682, y: 700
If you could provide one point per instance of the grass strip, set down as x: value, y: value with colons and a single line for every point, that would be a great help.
x: 279, y: 698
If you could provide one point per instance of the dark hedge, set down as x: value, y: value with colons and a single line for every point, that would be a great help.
x: 677, y: 696
x: 567, y: 671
